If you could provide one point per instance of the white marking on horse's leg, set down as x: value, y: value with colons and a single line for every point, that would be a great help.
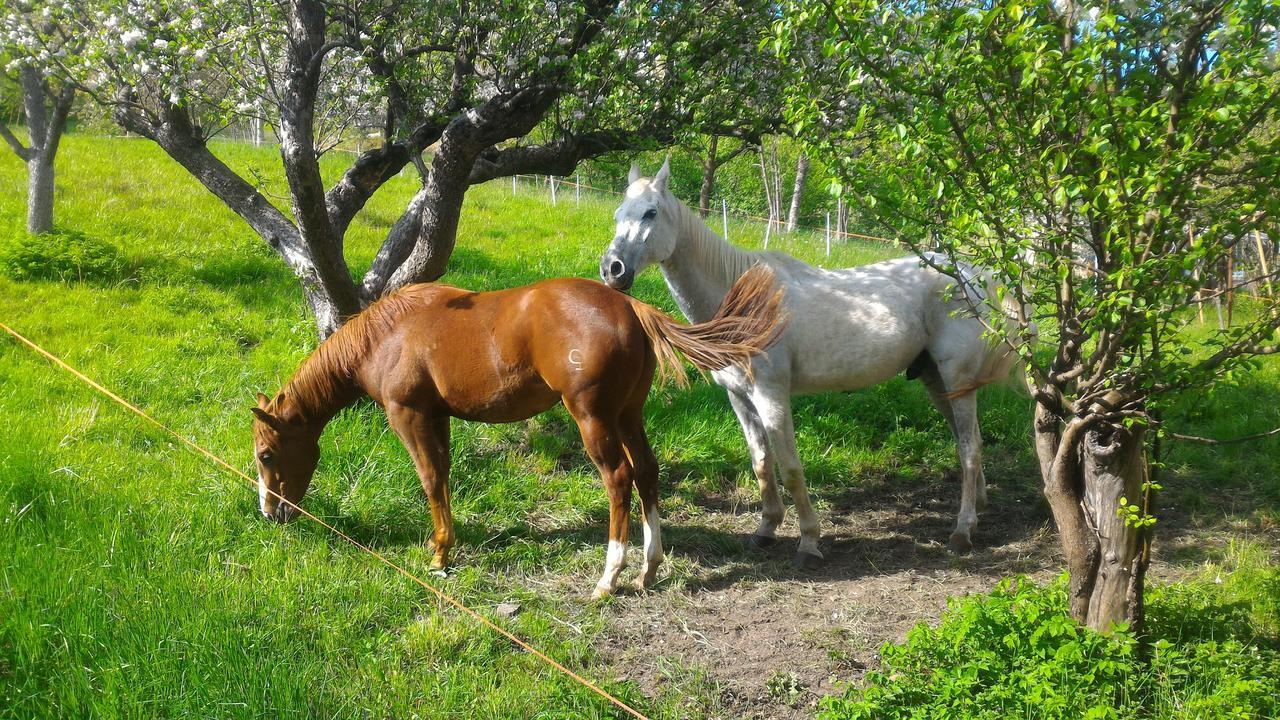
x: 771, y: 510
x: 652, y: 548
x: 969, y: 450
x: 775, y: 413
x: 615, y: 560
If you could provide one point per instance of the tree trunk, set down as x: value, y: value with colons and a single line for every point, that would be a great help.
x: 39, y: 193
x: 709, y: 167
x: 1086, y: 472
x: 1114, y: 467
x: 45, y: 125
x: 797, y: 192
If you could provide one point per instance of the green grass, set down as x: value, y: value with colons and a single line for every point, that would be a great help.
x: 137, y: 580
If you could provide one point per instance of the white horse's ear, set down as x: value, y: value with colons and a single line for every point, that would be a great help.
x: 634, y: 175
x: 664, y: 174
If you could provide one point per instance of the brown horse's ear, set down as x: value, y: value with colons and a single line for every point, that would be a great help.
x: 267, y: 418
x: 262, y: 401
x: 634, y: 175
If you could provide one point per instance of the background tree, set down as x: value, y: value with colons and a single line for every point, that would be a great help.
x: 29, y: 42
x: 494, y: 89
x: 1071, y: 149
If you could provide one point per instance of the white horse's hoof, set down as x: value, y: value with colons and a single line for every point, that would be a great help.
x: 761, y: 542
x: 601, y: 593
x: 959, y: 543
x: 807, y: 561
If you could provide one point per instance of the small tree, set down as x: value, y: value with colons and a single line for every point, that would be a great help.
x: 1093, y: 157
x: 32, y: 41
x: 495, y: 89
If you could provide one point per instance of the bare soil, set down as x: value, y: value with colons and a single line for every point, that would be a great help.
x: 743, y: 634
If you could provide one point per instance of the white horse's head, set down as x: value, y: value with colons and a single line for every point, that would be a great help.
x: 645, y: 231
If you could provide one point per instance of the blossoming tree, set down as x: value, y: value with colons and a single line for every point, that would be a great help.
x: 494, y: 88
x: 35, y: 44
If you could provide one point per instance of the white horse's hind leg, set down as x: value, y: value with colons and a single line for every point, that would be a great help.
x: 938, y: 396
x: 771, y: 510
x: 969, y: 448
x: 775, y: 412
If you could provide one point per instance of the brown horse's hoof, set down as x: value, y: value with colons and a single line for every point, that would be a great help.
x: 761, y: 542
x: 807, y: 561
x: 959, y: 544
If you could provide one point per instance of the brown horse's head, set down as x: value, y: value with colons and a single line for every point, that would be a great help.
x: 286, y: 451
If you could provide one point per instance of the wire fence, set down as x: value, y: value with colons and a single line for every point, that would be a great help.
x: 560, y: 189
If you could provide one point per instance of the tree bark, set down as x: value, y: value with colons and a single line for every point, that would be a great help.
x: 39, y: 193
x: 797, y: 192
x: 1114, y: 467
x: 45, y: 125
x: 709, y: 166
x: 1086, y: 470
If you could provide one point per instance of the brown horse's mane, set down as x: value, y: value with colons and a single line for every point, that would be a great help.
x: 325, y: 377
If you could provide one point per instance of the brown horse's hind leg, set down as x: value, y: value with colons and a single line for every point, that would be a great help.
x: 426, y: 438
x: 645, y: 478
x: 602, y: 438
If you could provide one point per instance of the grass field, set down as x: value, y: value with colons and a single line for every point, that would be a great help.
x: 137, y: 580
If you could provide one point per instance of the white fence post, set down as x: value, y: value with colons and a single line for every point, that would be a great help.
x: 828, y: 233
x: 513, y: 184
x: 552, y: 182
x: 767, y: 227
x: 577, y: 189
x: 724, y: 215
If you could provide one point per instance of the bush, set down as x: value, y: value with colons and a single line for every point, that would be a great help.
x: 1016, y: 653
x: 60, y: 255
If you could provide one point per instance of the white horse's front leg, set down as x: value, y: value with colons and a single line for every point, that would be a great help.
x: 969, y: 450
x: 775, y: 412
x: 771, y: 510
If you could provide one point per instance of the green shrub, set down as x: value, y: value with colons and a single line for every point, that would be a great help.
x: 60, y: 255
x: 1015, y: 653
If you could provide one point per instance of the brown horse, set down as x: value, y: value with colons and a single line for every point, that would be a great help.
x: 431, y: 352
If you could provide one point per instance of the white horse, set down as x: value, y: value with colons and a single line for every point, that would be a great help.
x: 848, y: 329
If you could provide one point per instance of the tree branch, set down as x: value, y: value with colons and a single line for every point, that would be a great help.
x: 14, y: 142
x: 1214, y: 441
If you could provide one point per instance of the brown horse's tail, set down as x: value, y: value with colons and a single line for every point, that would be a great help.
x: 749, y: 320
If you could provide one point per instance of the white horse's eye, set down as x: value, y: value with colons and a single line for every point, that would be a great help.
x: 651, y: 213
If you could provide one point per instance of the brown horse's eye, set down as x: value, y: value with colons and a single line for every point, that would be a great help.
x: 265, y: 457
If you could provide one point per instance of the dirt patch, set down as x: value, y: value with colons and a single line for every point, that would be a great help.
x: 743, y: 634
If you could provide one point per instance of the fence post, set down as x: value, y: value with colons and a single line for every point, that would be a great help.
x: 513, y: 184
x: 1262, y: 260
x: 767, y: 227
x: 577, y: 189
x: 724, y: 215
x: 828, y: 233
x: 552, y: 182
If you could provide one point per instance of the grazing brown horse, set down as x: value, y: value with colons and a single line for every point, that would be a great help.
x: 431, y: 352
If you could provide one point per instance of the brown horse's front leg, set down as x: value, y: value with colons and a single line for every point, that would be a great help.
x: 427, y: 440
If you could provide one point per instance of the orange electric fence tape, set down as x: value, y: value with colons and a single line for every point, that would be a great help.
x: 236, y: 471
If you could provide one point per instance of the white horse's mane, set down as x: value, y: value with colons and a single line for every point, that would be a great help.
x: 712, y: 252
